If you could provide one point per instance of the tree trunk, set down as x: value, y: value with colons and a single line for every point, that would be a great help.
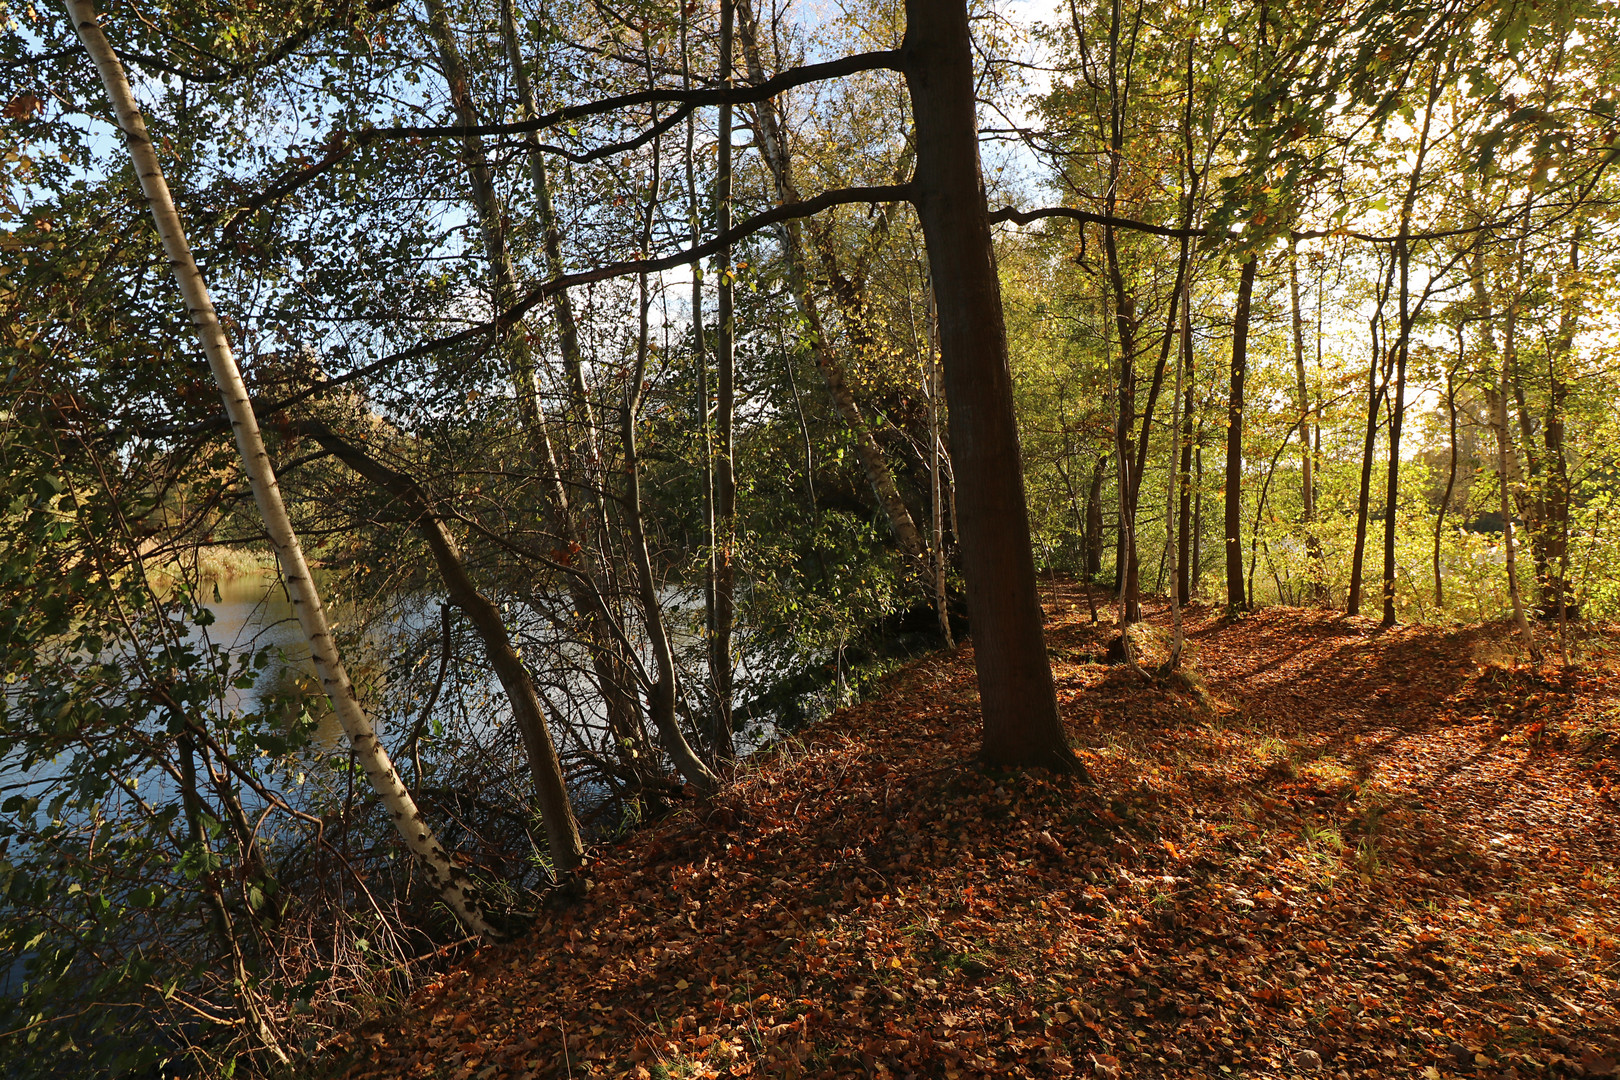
x: 725, y: 475
x: 930, y: 376
x: 1313, y: 545
x: 1374, y: 392
x: 1094, y: 519
x: 1451, y: 473
x: 1197, y: 583
x: 774, y: 151
x: 1021, y: 722
x: 1403, y: 348
x: 700, y: 358
x: 1505, y: 453
x: 661, y: 695
x: 1170, y: 553
x: 451, y: 883
x: 1235, y: 600
x: 562, y: 831
x: 585, y: 590
x: 1555, y: 602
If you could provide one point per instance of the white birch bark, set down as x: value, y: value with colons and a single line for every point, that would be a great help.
x: 453, y: 886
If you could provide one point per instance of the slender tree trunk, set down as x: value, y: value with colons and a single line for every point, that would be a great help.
x: 1174, y: 659
x: 1235, y: 599
x: 530, y: 715
x: 1532, y: 493
x: 1313, y: 544
x: 662, y: 694
x: 1403, y: 348
x: 1128, y: 563
x: 1451, y: 473
x: 725, y: 476
x: 585, y: 590
x: 1504, y: 453
x: 1556, y: 527
x: 1374, y: 393
x: 612, y: 669
x: 772, y: 139
x: 1197, y: 584
x: 700, y: 358
x: 450, y: 882
x: 1021, y: 722
x: 930, y: 375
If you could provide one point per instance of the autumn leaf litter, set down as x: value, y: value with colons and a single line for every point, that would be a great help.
x: 1342, y: 854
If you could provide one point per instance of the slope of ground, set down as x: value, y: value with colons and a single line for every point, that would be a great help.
x: 1362, y: 855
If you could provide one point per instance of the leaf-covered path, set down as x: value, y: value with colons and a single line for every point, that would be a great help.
x: 1361, y: 855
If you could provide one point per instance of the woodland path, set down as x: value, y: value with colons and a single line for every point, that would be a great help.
x: 1362, y: 855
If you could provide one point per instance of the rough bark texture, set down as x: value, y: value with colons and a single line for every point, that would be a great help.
x: 451, y: 883
x: 1021, y: 722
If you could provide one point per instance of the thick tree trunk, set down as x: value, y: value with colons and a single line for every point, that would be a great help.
x: 562, y: 831
x: 450, y: 882
x: 1021, y: 722
x: 1094, y: 519
x: 1235, y: 599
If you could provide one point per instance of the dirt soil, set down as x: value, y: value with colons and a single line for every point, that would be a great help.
x: 1344, y: 853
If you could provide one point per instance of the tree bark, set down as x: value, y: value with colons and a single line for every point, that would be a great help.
x: 1021, y: 722
x: 450, y: 882
x: 1235, y: 599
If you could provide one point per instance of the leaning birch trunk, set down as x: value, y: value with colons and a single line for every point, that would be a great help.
x: 453, y: 886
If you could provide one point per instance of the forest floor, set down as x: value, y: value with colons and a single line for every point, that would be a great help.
x: 1360, y: 854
